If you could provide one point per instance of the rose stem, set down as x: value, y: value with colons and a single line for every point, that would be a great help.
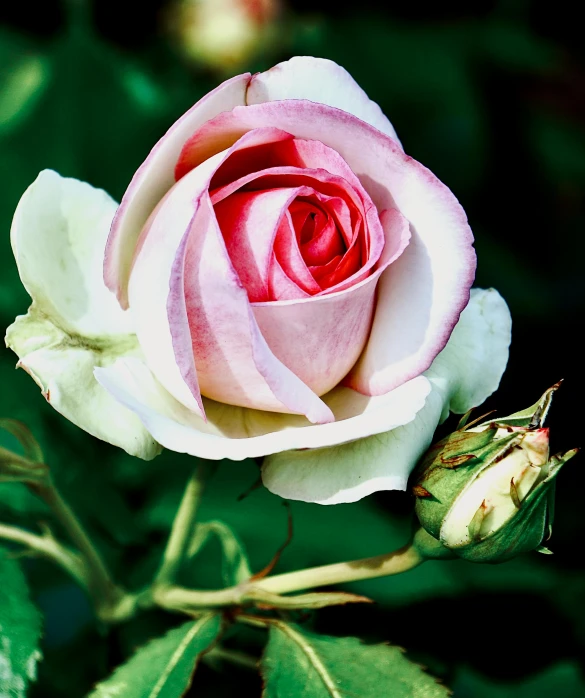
x: 234, y: 656
x: 48, y: 547
x: 99, y: 580
x: 183, y: 525
x: 401, y: 560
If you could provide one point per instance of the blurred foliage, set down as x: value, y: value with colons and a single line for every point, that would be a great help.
x: 20, y: 628
x: 489, y: 96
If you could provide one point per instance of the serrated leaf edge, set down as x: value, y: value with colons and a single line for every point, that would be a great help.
x: 321, y: 669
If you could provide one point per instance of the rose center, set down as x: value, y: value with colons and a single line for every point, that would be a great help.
x: 321, y: 244
x: 294, y: 228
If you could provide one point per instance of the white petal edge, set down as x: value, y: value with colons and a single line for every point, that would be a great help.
x: 462, y: 376
x: 74, y: 323
x: 155, y: 177
x: 318, y: 80
x: 238, y: 432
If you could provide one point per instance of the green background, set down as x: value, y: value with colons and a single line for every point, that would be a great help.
x: 489, y: 96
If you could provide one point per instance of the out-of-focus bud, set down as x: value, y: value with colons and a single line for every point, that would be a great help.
x: 224, y: 34
x: 485, y: 492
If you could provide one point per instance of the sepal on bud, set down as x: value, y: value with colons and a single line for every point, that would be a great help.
x: 485, y: 492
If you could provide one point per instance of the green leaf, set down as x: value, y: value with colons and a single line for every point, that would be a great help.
x: 300, y: 663
x: 164, y: 667
x: 20, y: 630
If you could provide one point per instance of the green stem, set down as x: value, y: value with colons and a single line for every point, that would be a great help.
x: 100, y: 583
x: 182, y: 529
x: 234, y: 656
x: 176, y: 598
x: 48, y: 547
x: 402, y: 560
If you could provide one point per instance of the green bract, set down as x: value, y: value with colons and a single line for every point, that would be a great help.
x: 485, y: 492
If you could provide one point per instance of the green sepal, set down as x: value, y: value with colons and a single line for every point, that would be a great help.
x: 532, y: 416
x: 544, y: 550
x: 474, y: 451
x: 429, y: 547
x: 526, y: 528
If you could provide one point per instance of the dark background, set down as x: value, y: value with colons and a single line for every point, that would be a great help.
x: 491, y: 97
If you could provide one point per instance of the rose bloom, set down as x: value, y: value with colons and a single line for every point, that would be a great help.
x: 288, y: 283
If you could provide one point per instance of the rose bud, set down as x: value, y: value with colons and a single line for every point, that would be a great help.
x: 223, y: 34
x: 485, y: 492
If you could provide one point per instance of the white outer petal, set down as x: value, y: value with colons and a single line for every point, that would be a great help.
x: 463, y: 375
x: 239, y: 432
x: 318, y: 80
x: 58, y: 237
x: 74, y: 323
x: 470, y: 368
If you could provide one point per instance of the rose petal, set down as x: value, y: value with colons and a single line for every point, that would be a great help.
x: 239, y: 432
x: 288, y: 259
x: 422, y: 295
x: 281, y: 286
x: 249, y: 222
x: 324, y: 245
x: 321, y: 337
x: 318, y: 80
x: 464, y: 374
x: 328, y: 187
x: 161, y: 324
x: 172, y: 337
x: 58, y: 235
x: 155, y: 177
x: 74, y: 323
x: 234, y: 362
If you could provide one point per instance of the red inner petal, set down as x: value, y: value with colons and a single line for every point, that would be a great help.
x: 320, y: 240
x: 287, y: 252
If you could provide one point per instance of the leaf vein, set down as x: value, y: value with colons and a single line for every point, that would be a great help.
x: 313, y: 657
x: 177, y: 654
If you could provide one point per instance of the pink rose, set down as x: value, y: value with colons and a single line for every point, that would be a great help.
x: 290, y: 275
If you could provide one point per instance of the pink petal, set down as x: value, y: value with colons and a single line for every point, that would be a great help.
x: 289, y: 261
x: 234, y: 362
x: 248, y: 222
x: 156, y: 284
x: 323, y: 246
x: 155, y: 177
x: 282, y: 286
x: 318, y: 80
x: 331, y: 187
x: 422, y: 295
x: 336, y: 182
x: 321, y: 337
